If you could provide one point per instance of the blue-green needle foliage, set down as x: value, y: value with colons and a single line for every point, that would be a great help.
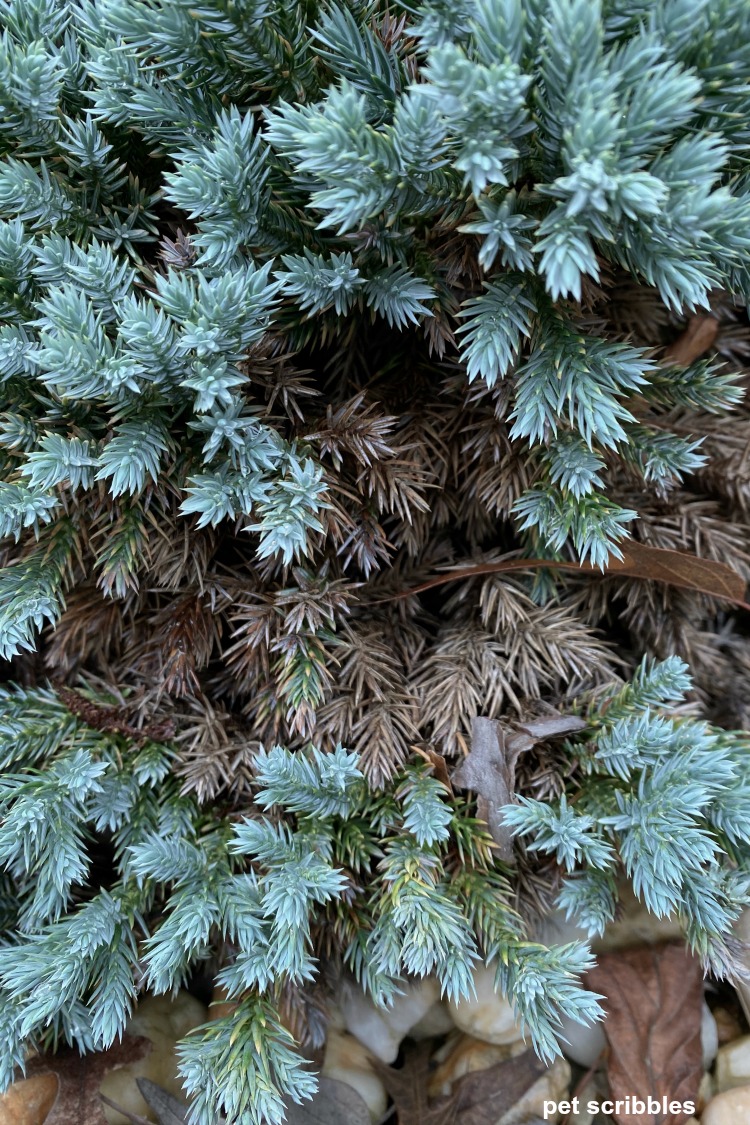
x: 190, y: 194
x: 321, y: 151
x: 403, y: 883
x: 666, y: 798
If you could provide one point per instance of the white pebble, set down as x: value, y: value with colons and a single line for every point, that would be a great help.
x: 733, y: 1064
x: 382, y: 1029
x: 583, y: 1043
x: 347, y: 1060
x: 487, y: 1015
x: 730, y: 1108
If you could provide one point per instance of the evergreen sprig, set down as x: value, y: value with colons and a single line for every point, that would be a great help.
x: 257, y: 885
x: 650, y: 801
x: 293, y: 294
x: 404, y: 882
x: 313, y: 152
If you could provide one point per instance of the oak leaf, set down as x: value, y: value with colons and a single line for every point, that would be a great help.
x: 479, y: 1098
x: 653, y: 998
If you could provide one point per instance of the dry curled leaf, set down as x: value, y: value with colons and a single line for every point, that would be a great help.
x: 479, y: 1098
x: 438, y: 764
x: 490, y: 767
x: 483, y: 1097
x: 334, y: 1104
x: 407, y: 1087
x: 698, y: 337
x: 650, y: 564
x: 166, y: 1107
x: 549, y: 726
x: 678, y: 568
x: 653, y: 1000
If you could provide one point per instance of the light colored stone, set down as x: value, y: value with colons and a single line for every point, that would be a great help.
x: 578, y: 1042
x: 709, y: 1037
x: 164, y: 1021
x: 733, y: 1064
x: 336, y: 1021
x: 29, y: 1101
x: 347, y: 1060
x: 486, y: 1015
x: 462, y: 1054
x: 382, y: 1029
x: 553, y: 1086
x: 164, y: 1017
x: 633, y: 926
x: 555, y: 929
x: 732, y: 1107
x: 434, y: 1023
x: 582, y: 1043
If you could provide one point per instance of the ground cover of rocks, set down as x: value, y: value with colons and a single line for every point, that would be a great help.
x: 669, y: 1035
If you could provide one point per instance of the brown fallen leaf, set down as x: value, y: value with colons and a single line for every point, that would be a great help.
x: 166, y: 1107
x: 334, y: 1104
x: 698, y: 337
x: 407, y: 1087
x: 483, y: 1097
x: 133, y: 1118
x: 438, y: 763
x: 550, y: 726
x: 653, y: 998
x: 490, y: 767
x: 651, y: 564
x: 79, y: 1078
x: 677, y: 568
x: 479, y: 1098
x: 490, y: 770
